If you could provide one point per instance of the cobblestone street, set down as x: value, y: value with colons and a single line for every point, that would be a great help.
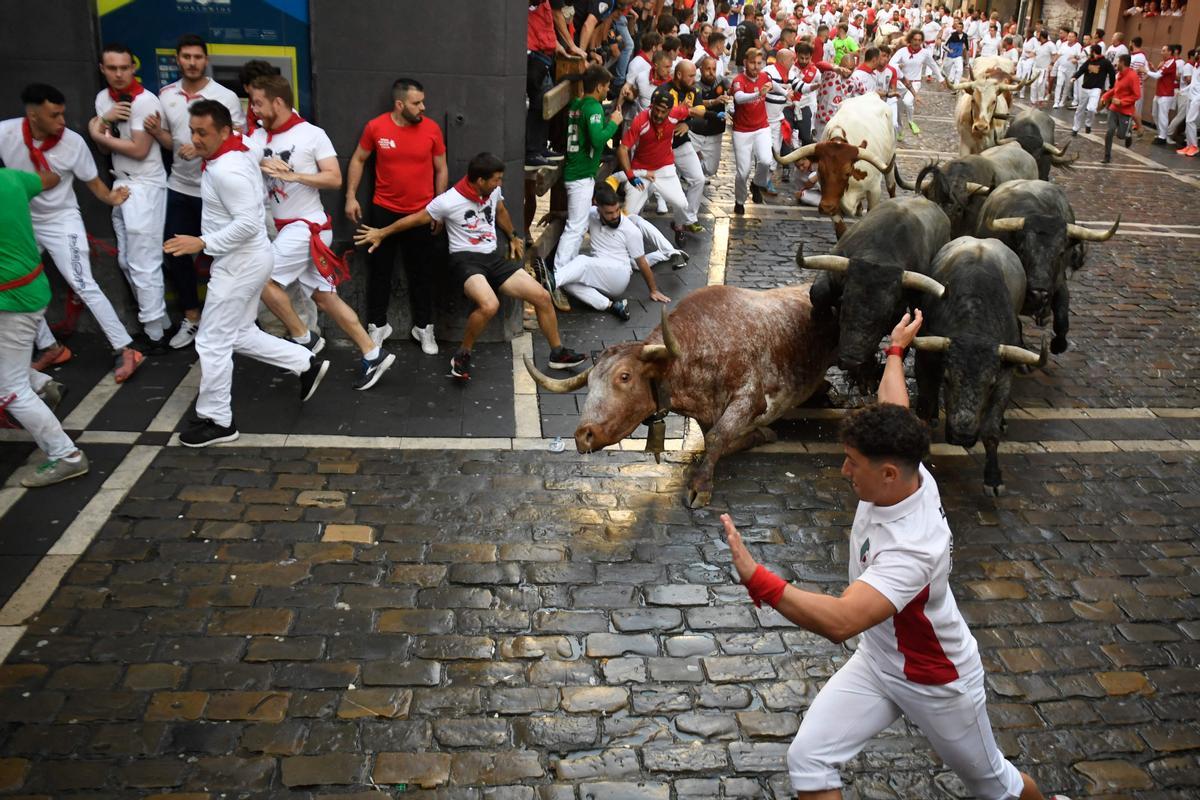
x: 313, y: 612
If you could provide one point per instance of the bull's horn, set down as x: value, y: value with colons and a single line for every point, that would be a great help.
x: 669, y: 337
x: 826, y: 263
x: 1019, y: 355
x: 556, y: 385
x: 864, y: 155
x: 962, y: 86
x: 922, y: 283
x: 1009, y: 87
x: 1007, y: 224
x: 1001, y: 115
x: 654, y: 352
x: 1061, y: 161
x: 932, y: 344
x: 1088, y: 235
x: 1006, y: 140
x: 903, y: 184
x: 802, y: 152
x: 977, y: 188
x: 1052, y: 150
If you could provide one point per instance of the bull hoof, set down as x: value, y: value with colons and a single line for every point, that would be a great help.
x: 767, y: 435
x: 697, y: 499
x: 1059, y: 345
x: 994, y: 491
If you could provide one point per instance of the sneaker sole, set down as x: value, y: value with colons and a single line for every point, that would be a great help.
x: 63, y: 479
x: 231, y: 437
x: 316, y: 382
x: 318, y: 347
x: 188, y: 343
x: 382, y: 368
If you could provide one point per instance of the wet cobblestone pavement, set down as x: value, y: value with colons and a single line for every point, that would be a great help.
x: 507, y: 624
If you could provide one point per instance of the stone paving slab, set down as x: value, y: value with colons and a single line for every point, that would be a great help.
x: 302, y: 623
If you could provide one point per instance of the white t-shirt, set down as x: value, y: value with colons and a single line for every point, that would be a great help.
x: 471, y: 226
x: 70, y: 157
x: 185, y: 174
x: 904, y: 552
x: 1068, y: 57
x: 620, y: 244
x: 1116, y: 50
x: 1029, y: 48
x: 149, y: 169
x: 989, y: 45
x: 911, y: 64
x: 1138, y: 60
x: 1044, y: 54
x: 301, y: 147
x: 931, y: 30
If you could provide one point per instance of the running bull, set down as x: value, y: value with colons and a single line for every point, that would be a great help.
x: 973, y: 346
x: 732, y: 359
x: 1035, y: 220
x: 1033, y: 129
x: 875, y: 272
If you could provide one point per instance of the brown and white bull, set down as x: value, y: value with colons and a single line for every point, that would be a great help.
x: 849, y: 172
x: 981, y: 112
x: 732, y: 359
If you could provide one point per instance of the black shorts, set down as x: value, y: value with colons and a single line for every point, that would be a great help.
x: 493, y: 266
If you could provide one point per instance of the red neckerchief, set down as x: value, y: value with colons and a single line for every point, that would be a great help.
x: 294, y: 120
x: 657, y: 81
x: 864, y: 68
x: 251, y: 120
x: 37, y: 152
x: 914, y: 52
x: 468, y: 191
x: 710, y: 53
x: 133, y: 90
x: 644, y: 56
x: 232, y: 144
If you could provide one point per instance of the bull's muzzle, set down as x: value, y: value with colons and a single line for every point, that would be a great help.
x: 585, y: 439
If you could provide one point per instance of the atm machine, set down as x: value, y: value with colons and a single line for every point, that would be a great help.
x: 236, y: 31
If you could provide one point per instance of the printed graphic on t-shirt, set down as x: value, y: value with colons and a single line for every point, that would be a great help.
x: 479, y: 227
x: 277, y: 189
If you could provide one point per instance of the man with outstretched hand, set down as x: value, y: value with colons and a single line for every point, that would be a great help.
x: 916, y: 656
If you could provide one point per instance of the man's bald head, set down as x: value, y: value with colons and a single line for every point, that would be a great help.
x: 685, y: 73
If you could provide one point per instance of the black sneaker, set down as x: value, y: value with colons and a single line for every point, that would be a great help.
x: 536, y: 161
x: 1074, y: 133
x: 311, y: 378
x: 620, y: 309
x: 460, y: 365
x: 315, y: 343
x: 1106, y: 160
x: 755, y: 192
x: 372, y: 370
x: 1158, y: 140
x: 680, y: 236
x: 158, y: 347
x: 565, y: 358
x: 1087, y: 129
x: 1129, y: 141
x: 739, y: 209
x: 204, y: 432
x: 552, y: 155
x: 678, y: 260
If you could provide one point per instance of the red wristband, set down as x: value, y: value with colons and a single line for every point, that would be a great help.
x: 765, y: 585
x: 894, y: 350
x: 629, y: 176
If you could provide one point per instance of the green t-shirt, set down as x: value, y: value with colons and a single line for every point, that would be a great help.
x: 587, y: 133
x: 19, y: 253
x: 843, y: 46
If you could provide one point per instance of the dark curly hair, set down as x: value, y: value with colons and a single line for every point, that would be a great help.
x: 887, y: 432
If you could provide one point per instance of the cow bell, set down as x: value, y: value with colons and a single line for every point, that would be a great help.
x: 656, y: 438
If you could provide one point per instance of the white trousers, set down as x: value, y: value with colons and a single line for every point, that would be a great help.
x: 65, y: 239
x: 859, y: 701
x: 691, y: 175
x: 138, y: 223
x: 17, y: 389
x: 1183, y: 104
x: 1162, y: 115
x: 594, y: 281
x: 1137, y: 105
x: 666, y: 183
x: 1024, y: 70
x: 751, y: 147
x: 1193, y: 116
x: 1037, y: 91
x: 1062, y: 88
x: 579, y: 205
x: 953, y: 68
x: 659, y: 248
x: 709, y: 150
x: 227, y: 327
x: 1085, y: 112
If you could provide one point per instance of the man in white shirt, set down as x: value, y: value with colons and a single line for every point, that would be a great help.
x: 1070, y: 55
x: 1188, y: 75
x: 299, y: 161
x: 41, y: 142
x: 911, y: 62
x: 1043, y: 56
x: 232, y: 231
x: 599, y: 279
x: 785, y: 82
x: 119, y: 128
x: 1025, y: 65
x: 1139, y: 62
x: 916, y: 656
x: 183, y: 185
x: 1117, y: 49
x: 473, y: 211
x: 1192, y: 91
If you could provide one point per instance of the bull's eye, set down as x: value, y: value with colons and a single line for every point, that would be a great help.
x: 625, y: 377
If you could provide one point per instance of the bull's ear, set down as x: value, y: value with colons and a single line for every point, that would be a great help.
x: 863, y: 143
x: 858, y: 174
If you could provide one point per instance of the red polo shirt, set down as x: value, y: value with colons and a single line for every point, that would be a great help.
x: 403, y: 161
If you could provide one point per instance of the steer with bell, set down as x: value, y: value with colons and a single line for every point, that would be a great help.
x: 972, y: 345
x: 732, y: 359
x: 1035, y: 220
x: 875, y: 272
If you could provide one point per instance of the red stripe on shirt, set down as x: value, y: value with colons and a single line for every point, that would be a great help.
x: 925, y: 661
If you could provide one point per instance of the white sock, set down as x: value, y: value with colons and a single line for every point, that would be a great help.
x: 73, y: 458
x: 371, y: 355
x: 154, y: 329
x: 303, y: 340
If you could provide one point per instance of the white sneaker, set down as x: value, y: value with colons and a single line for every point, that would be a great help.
x: 185, y: 335
x: 662, y: 205
x: 425, y: 337
x: 379, y: 333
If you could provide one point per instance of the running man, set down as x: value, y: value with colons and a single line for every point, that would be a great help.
x: 183, y: 185
x: 1097, y: 74
x: 233, y: 231
x: 650, y: 139
x: 1122, y: 101
x: 912, y: 62
x: 42, y: 142
x: 751, y: 132
x: 299, y: 161
x: 472, y: 211
x: 916, y: 657
x: 119, y: 128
